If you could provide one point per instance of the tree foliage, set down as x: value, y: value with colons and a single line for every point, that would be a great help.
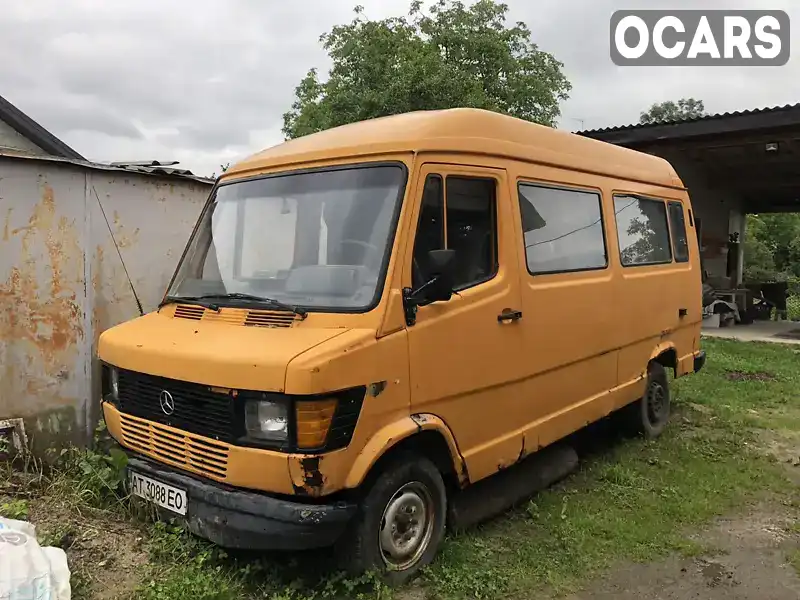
x: 668, y: 112
x: 452, y: 55
x: 772, y: 247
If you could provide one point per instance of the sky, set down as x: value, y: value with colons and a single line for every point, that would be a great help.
x: 206, y: 82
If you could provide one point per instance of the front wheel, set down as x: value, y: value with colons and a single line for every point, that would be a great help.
x: 400, y: 522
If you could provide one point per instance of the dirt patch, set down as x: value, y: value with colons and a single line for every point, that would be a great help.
x: 110, y: 557
x: 105, y: 551
x: 753, y: 553
x: 782, y: 445
x: 750, y: 564
x: 793, y: 334
x: 749, y: 376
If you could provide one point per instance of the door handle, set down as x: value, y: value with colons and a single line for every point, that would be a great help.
x: 509, y: 315
x: 682, y: 312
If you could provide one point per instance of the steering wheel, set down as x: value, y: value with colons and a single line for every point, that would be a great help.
x: 371, y: 248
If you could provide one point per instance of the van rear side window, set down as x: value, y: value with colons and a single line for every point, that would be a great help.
x: 562, y: 229
x: 677, y: 226
x: 642, y: 231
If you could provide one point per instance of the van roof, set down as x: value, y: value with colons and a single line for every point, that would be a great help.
x: 466, y: 130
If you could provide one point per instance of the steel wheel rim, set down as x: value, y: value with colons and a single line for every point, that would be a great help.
x: 406, y: 526
x: 656, y: 403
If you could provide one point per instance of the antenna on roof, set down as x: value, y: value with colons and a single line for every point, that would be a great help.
x: 130, y: 282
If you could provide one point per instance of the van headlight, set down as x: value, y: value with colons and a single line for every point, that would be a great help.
x: 266, y: 420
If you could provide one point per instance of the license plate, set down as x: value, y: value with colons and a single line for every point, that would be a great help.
x: 159, y: 493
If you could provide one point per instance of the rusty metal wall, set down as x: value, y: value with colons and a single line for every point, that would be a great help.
x: 62, y: 283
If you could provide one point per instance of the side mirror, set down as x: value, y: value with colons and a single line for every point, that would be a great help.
x: 441, y: 266
x: 442, y: 261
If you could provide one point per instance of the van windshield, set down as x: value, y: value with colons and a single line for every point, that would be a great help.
x: 319, y: 239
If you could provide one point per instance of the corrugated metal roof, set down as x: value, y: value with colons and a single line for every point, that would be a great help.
x: 740, y: 113
x: 154, y: 167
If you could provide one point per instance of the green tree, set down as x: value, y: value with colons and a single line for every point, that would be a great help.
x: 452, y: 55
x: 222, y: 169
x: 667, y: 112
x: 759, y: 265
x: 772, y: 247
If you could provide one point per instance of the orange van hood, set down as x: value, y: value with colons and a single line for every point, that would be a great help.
x: 217, y: 354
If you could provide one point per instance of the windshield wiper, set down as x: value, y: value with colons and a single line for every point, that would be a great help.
x: 301, y: 312
x: 194, y: 300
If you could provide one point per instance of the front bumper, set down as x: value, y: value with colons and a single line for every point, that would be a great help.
x: 240, y: 519
x: 699, y: 360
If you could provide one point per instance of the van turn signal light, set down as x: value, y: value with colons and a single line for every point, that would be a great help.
x: 313, y: 422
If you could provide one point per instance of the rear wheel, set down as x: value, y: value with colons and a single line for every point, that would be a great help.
x: 400, y: 523
x: 649, y: 415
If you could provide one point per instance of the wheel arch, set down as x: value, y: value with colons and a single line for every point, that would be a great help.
x: 421, y: 432
x: 666, y: 355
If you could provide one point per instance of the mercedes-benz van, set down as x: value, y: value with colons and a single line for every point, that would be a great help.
x: 369, y: 319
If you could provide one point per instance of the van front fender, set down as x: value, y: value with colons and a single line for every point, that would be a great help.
x: 389, y: 436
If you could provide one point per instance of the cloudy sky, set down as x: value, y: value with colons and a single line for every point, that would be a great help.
x: 205, y: 82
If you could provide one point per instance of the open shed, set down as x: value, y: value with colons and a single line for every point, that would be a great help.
x: 733, y: 164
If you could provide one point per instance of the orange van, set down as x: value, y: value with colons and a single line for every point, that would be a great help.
x: 368, y: 320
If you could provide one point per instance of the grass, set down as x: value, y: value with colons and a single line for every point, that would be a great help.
x: 14, y: 509
x: 632, y: 500
x: 793, y: 559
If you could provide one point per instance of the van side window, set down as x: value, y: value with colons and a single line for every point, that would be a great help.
x: 642, y: 231
x: 677, y: 226
x: 430, y: 231
x: 471, y: 229
x: 562, y: 229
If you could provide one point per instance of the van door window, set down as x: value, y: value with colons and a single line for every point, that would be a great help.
x: 430, y: 231
x: 642, y: 231
x: 562, y: 229
x: 677, y: 226
x: 469, y: 228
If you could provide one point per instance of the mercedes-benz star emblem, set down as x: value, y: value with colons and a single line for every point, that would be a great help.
x: 167, y: 402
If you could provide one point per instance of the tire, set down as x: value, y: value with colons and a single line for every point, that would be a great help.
x: 649, y: 415
x: 410, y: 483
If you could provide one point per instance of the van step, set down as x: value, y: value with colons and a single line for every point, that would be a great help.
x: 509, y: 487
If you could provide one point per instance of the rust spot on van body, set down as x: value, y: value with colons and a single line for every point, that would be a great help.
x: 419, y: 419
x: 376, y: 389
x: 312, y: 478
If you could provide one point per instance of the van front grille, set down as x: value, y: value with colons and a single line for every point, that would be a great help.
x: 237, y: 316
x: 179, y: 449
x: 192, y: 407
